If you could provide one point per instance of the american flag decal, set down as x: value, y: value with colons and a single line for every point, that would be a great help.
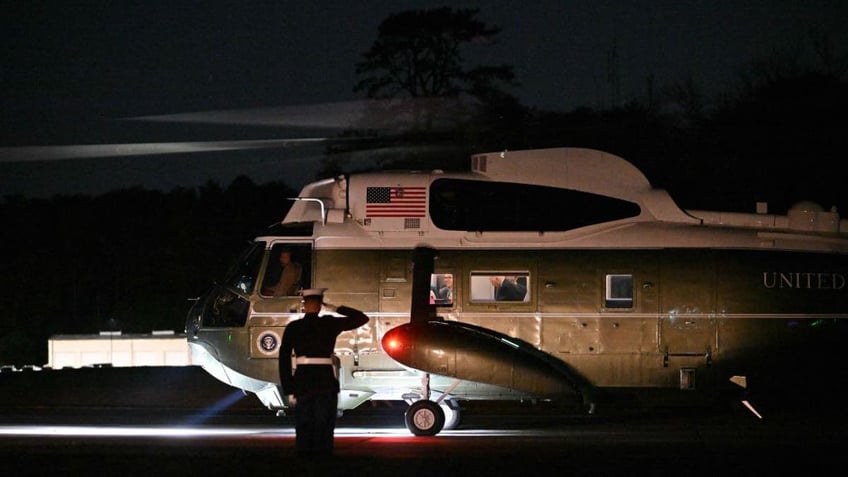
x: 395, y: 201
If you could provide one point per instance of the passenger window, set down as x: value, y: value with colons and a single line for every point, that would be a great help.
x: 500, y: 286
x: 619, y: 291
x: 441, y: 289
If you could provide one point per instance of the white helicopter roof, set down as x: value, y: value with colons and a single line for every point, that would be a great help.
x: 392, y: 207
x: 581, y: 169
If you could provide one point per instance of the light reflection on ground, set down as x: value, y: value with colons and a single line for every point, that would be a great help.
x: 163, y: 431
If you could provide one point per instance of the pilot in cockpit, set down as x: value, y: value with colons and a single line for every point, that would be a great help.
x: 290, y: 273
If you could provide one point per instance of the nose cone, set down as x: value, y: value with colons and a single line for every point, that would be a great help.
x: 399, y: 343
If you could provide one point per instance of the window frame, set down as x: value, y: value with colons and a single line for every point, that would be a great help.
x: 613, y: 299
x: 480, y: 280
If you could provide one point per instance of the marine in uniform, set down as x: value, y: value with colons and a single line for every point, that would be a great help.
x: 312, y: 390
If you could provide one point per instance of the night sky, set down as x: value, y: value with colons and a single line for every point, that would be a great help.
x: 73, y: 71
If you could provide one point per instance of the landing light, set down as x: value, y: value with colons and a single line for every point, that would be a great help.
x: 393, y: 344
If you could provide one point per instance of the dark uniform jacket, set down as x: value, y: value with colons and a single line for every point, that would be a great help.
x: 314, y: 336
x: 510, y: 291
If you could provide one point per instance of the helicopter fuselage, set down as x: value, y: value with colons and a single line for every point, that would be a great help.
x: 619, y: 287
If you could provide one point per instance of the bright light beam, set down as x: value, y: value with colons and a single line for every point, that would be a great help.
x: 120, y: 431
x: 216, y: 408
x: 176, y: 432
x: 92, y: 151
x: 751, y: 408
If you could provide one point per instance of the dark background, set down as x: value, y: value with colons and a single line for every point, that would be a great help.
x: 123, y: 243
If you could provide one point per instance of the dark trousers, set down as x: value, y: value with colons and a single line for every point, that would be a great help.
x: 315, y: 423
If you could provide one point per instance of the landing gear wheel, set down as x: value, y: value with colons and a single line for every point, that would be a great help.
x: 424, y: 418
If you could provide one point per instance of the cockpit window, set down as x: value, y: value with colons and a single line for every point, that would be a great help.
x: 288, y: 271
x: 457, y: 204
x: 242, y: 275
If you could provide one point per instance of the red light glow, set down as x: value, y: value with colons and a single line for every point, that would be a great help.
x: 393, y: 344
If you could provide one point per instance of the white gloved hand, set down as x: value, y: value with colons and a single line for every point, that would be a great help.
x: 329, y: 307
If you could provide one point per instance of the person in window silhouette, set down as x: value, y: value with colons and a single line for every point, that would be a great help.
x: 506, y: 289
x: 521, y: 282
x: 290, y: 273
x: 443, y: 295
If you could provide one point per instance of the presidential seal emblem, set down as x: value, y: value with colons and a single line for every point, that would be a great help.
x: 267, y: 342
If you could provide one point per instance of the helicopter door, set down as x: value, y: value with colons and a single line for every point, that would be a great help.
x: 687, y: 322
x: 286, y: 271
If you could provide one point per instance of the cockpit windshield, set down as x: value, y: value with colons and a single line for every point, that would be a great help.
x: 243, y: 273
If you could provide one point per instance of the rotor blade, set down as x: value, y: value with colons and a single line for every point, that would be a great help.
x: 90, y: 151
x: 393, y: 116
x: 340, y: 115
x: 373, y: 114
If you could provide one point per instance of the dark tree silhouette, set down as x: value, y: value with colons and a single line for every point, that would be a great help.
x: 80, y: 264
x: 430, y: 107
x: 418, y: 54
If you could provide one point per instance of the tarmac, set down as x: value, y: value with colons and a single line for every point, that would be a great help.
x: 179, y: 421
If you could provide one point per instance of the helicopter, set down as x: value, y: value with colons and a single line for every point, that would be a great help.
x: 614, y: 290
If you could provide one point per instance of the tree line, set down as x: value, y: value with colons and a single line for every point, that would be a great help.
x: 127, y: 260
